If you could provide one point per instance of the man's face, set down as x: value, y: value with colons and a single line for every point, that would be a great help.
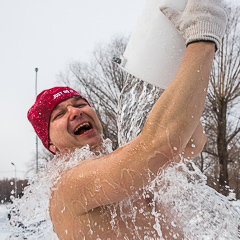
x: 74, y: 124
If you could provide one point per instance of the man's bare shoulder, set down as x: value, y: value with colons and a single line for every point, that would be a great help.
x: 110, y: 179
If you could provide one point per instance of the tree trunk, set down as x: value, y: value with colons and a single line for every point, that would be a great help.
x: 202, y: 160
x: 222, y: 148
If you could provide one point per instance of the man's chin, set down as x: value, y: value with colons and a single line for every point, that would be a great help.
x: 96, y: 146
x: 94, y: 143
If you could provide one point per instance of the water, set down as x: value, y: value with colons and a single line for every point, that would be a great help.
x: 199, y: 210
x: 29, y: 215
x: 132, y: 116
x: 182, y: 202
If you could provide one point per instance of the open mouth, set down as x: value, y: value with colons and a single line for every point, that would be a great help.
x: 83, y: 128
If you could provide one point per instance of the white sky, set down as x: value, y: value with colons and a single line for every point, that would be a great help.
x: 47, y: 34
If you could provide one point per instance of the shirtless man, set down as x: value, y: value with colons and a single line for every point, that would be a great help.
x: 87, y: 199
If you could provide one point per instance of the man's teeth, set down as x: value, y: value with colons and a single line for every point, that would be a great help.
x: 85, y: 126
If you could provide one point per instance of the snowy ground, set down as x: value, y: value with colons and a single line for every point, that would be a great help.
x: 4, y: 232
x: 236, y: 204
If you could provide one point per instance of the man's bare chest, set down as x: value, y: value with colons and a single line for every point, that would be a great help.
x: 129, y: 219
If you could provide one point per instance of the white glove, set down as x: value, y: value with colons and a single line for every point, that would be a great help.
x: 202, y: 20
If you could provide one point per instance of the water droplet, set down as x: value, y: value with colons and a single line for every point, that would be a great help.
x: 98, y: 185
x: 173, y: 224
x: 63, y: 210
x: 141, y: 210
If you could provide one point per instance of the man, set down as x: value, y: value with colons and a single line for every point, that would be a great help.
x: 91, y: 200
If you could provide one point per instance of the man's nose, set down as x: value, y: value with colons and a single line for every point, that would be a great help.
x: 74, y: 112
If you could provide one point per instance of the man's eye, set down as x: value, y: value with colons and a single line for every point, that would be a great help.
x: 58, y: 115
x: 81, y: 105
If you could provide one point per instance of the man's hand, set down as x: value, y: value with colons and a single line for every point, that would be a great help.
x: 202, y: 20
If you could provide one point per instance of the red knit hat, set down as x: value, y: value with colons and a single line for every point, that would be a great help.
x: 39, y: 114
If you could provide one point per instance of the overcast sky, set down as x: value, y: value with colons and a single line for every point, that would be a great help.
x: 47, y: 34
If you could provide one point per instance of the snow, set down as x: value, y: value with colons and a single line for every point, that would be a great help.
x: 4, y: 231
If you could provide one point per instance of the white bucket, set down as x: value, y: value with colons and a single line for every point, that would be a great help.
x: 156, y: 48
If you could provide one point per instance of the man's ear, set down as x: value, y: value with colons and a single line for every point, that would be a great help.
x: 52, y: 148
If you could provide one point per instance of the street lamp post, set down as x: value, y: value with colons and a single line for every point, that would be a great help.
x: 36, y: 70
x: 15, y: 179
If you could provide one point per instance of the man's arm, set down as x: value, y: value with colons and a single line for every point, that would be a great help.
x: 195, y: 144
x: 181, y: 105
x: 168, y: 129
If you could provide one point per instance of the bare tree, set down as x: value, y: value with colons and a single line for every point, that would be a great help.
x: 221, y: 115
x: 43, y: 157
x: 7, y: 188
x: 101, y: 82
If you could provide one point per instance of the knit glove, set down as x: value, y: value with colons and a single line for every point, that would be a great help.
x: 202, y: 20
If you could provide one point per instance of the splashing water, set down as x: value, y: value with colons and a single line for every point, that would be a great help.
x: 197, y: 209
x: 182, y: 193
x: 181, y: 200
x: 29, y: 215
x: 136, y: 100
